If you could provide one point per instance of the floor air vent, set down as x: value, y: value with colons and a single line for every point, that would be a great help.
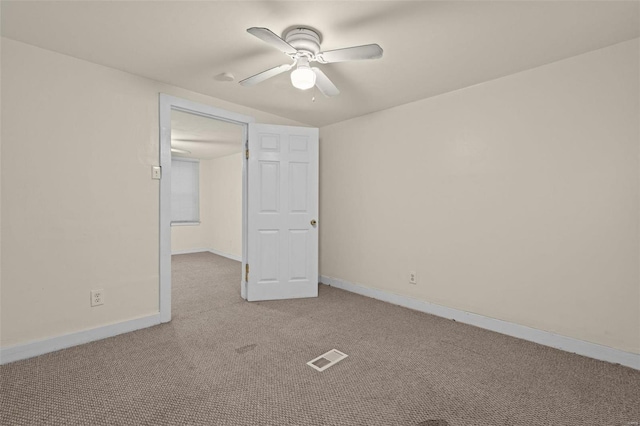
x: 327, y: 360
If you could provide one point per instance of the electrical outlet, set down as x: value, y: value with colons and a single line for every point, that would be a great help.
x: 413, y: 277
x: 97, y: 297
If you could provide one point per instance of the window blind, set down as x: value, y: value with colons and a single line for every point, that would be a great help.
x: 185, y: 190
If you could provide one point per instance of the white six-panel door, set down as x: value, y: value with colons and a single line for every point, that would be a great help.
x: 282, y: 200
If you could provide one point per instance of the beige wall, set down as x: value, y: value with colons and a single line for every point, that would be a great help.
x: 517, y: 199
x: 226, y: 204
x: 79, y: 207
x: 220, y: 226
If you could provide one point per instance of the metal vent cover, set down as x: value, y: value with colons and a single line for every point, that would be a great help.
x: 326, y: 360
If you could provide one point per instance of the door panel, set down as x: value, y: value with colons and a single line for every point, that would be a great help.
x: 298, y: 243
x: 298, y: 173
x: 282, y: 203
x: 269, y: 251
x: 269, y: 187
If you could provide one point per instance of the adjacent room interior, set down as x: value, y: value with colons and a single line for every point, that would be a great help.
x: 476, y: 232
x: 206, y: 188
x: 208, y: 154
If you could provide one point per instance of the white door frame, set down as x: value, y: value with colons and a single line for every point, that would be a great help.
x: 168, y: 103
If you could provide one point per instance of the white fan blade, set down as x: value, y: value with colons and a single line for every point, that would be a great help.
x: 324, y: 84
x: 269, y: 37
x: 259, y: 78
x: 369, y: 51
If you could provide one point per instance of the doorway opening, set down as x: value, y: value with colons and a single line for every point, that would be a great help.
x: 198, y: 144
x: 206, y: 185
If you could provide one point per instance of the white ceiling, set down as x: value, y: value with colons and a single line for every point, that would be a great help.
x: 204, y: 137
x: 429, y: 47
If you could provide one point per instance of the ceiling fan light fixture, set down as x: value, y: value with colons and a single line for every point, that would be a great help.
x: 302, y: 44
x: 303, y: 76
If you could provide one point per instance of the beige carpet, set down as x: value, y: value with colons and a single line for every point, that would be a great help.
x: 223, y: 361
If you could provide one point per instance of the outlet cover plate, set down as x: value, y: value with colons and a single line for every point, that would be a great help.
x: 97, y: 297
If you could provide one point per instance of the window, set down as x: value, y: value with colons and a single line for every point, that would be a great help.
x: 185, y: 196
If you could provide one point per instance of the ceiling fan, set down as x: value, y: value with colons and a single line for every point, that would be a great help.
x: 302, y: 45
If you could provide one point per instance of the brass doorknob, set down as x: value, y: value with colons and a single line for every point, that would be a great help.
x: 313, y: 222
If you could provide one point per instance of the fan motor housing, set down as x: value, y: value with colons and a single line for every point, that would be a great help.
x: 304, y: 40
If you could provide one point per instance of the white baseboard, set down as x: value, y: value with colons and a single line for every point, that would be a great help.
x: 210, y: 250
x: 52, y: 344
x: 227, y: 255
x: 569, y: 344
x: 189, y: 251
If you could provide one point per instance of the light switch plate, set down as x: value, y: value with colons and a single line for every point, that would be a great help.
x: 156, y: 172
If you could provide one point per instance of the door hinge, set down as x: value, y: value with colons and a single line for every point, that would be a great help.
x: 246, y: 272
x: 247, y: 153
